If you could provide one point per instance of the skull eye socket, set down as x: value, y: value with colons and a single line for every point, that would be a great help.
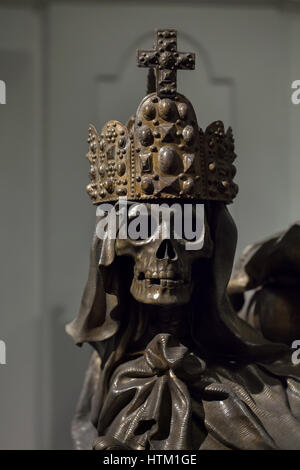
x: 188, y: 226
x: 141, y: 226
x: 185, y: 223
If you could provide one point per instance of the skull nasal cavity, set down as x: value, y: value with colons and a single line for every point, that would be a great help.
x: 166, y: 250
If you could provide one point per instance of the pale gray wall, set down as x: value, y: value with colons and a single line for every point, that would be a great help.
x: 70, y: 63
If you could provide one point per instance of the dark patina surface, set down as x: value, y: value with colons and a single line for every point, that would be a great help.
x: 173, y: 366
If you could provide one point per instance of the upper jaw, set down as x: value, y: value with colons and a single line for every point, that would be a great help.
x: 161, y: 291
x: 154, y: 276
x: 165, y: 278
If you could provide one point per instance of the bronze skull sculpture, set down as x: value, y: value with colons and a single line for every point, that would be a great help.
x: 162, y: 261
x: 173, y: 366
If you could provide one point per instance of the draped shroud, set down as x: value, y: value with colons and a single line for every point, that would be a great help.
x: 225, y: 388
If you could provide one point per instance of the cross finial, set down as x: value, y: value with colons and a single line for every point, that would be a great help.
x: 166, y: 60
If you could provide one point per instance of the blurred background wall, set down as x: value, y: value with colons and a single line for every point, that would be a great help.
x: 69, y: 63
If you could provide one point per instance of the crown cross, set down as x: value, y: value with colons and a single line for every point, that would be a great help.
x: 166, y: 60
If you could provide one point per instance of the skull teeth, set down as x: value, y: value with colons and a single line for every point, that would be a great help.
x: 159, y: 281
x: 162, y: 275
x: 166, y: 282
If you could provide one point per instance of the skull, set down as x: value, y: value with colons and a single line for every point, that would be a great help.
x: 162, y: 259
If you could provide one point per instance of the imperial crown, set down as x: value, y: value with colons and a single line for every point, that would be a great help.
x: 162, y: 153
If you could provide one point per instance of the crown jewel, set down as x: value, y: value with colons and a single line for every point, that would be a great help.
x: 162, y: 153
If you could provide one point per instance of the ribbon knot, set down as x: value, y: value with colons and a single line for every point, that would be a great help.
x: 165, y: 353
